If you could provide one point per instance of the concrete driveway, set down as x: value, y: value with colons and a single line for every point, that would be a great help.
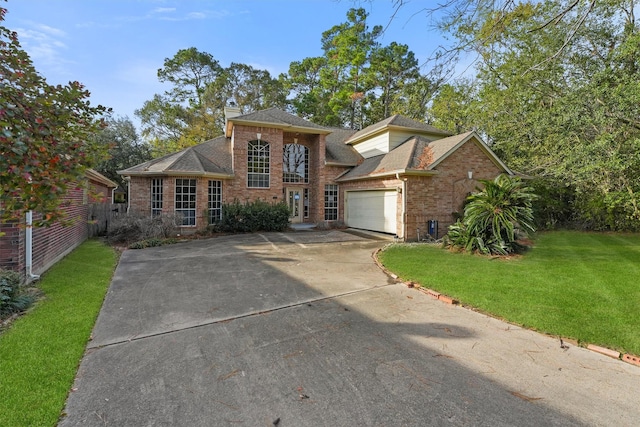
x: 302, y: 329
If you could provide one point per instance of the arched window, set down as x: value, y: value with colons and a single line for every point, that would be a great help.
x: 258, y: 164
x: 295, y: 163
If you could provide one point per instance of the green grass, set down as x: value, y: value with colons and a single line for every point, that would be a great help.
x: 40, y: 352
x: 583, y: 286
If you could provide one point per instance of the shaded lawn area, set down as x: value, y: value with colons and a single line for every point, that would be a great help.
x: 41, y: 351
x: 584, y: 286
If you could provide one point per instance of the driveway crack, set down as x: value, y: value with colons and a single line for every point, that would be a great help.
x: 237, y: 317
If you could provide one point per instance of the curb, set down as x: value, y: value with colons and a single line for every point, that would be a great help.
x: 602, y: 350
x: 628, y: 358
x: 634, y: 360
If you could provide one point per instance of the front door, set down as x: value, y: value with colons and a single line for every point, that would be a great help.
x: 294, y: 198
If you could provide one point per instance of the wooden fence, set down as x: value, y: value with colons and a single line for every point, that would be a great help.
x: 102, y: 214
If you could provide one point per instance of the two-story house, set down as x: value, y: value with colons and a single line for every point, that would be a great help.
x: 395, y: 176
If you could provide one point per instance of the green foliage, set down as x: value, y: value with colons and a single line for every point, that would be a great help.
x: 554, y: 206
x: 452, y: 108
x: 46, y: 134
x: 495, y: 218
x: 13, y: 299
x: 250, y: 217
x: 192, y: 111
x: 557, y: 94
x: 40, y: 352
x: 358, y: 82
x: 125, y: 149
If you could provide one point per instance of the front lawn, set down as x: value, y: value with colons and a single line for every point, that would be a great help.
x: 40, y: 352
x: 584, y: 286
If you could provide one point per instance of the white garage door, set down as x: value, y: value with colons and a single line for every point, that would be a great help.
x: 372, y: 210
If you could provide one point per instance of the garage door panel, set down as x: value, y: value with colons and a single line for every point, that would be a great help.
x: 372, y: 210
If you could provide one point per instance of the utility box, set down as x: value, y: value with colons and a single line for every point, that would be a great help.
x: 432, y: 228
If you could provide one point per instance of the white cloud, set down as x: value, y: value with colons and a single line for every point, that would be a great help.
x: 45, y: 44
x: 55, y: 32
x: 196, y: 15
x: 164, y: 10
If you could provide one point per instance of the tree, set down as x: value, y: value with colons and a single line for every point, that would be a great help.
x: 46, y: 136
x: 348, y: 48
x: 192, y: 111
x: 453, y: 107
x: 310, y: 99
x: 556, y: 92
x: 163, y: 123
x: 392, y: 69
x: 190, y: 71
x: 495, y: 218
x: 125, y: 148
x: 178, y: 118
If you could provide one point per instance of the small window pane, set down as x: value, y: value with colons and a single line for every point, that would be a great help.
x: 215, y: 201
x: 295, y: 163
x: 185, y: 200
x: 258, y: 164
x: 156, y: 197
x: 330, y: 202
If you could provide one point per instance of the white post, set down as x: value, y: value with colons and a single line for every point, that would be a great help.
x: 29, y: 247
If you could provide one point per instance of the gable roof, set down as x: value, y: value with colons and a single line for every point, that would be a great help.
x: 211, y: 158
x: 417, y: 156
x: 276, y: 118
x: 395, y: 122
x: 94, y: 175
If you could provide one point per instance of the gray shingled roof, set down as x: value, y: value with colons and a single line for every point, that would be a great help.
x: 416, y: 153
x: 397, y: 121
x: 339, y: 152
x: 279, y: 118
x: 212, y: 157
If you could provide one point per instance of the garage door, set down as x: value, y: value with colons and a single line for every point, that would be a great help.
x: 372, y: 210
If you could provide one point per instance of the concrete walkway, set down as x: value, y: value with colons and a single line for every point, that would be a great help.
x: 302, y: 329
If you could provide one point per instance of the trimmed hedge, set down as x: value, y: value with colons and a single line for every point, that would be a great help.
x: 250, y: 217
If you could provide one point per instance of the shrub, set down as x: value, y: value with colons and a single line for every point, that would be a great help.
x: 13, y: 299
x: 495, y: 218
x: 149, y: 243
x: 258, y: 215
x: 133, y: 227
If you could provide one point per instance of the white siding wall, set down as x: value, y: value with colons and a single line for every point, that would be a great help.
x: 387, y: 141
x: 373, y: 147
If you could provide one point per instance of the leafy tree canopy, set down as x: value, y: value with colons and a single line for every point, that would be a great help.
x: 355, y: 83
x: 556, y: 92
x: 125, y: 147
x: 46, y: 135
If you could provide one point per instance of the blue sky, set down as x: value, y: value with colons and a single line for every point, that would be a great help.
x: 115, y: 47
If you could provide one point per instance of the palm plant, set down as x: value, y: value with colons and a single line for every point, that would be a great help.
x: 495, y: 218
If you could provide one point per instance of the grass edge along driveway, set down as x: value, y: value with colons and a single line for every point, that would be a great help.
x: 41, y: 351
x: 571, y: 284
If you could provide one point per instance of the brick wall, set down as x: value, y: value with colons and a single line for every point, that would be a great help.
x: 11, y: 246
x: 439, y: 196
x: 236, y: 188
x: 99, y: 193
x: 50, y: 244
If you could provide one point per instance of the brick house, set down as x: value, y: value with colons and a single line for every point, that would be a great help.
x: 33, y: 250
x: 397, y: 176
